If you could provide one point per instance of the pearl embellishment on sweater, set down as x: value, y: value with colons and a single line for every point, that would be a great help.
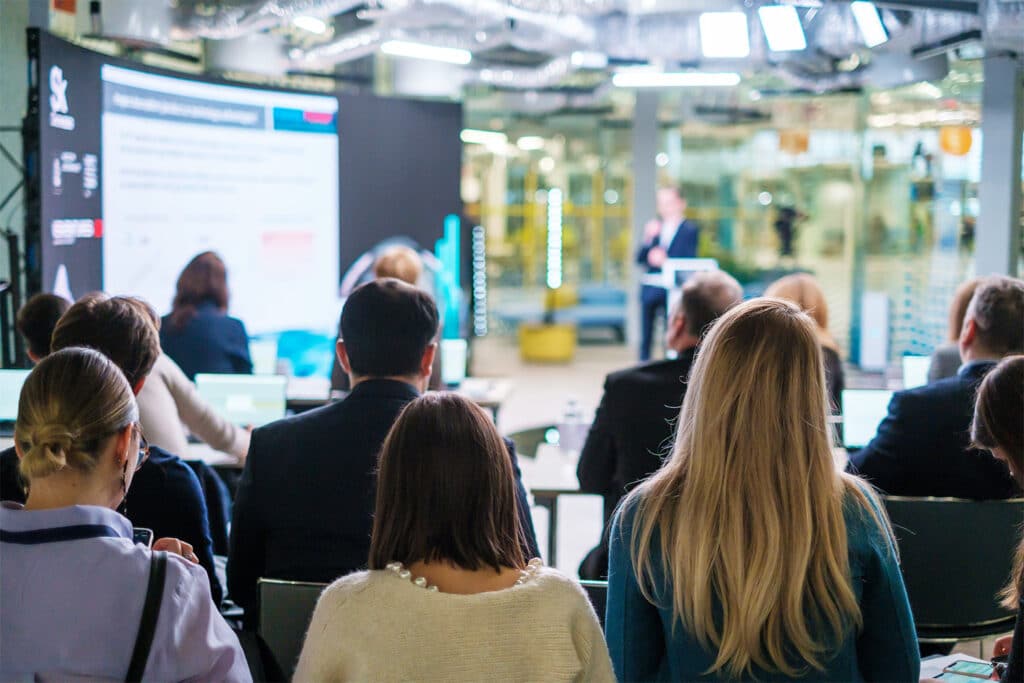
x: 399, y: 570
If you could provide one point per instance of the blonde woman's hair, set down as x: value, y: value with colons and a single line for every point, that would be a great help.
x: 71, y: 402
x: 399, y: 262
x: 748, y: 509
x: 804, y: 291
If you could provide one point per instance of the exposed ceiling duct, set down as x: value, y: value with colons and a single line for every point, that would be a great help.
x: 227, y: 19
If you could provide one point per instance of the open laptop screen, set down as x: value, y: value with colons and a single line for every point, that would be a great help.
x: 863, y: 410
x: 250, y: 400
x: 10, y: 392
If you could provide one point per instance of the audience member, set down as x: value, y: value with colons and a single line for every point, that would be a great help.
x: 804, y: 291
x: 922, y: 447
x: 402, y: 263
x: 449, y: 595
x: 167, y: 496
x: 36, y: 321
x: 945, y: 359
x: 632, y: 428
x: 747, y: 556
x: 74, y: 582
x: 999, y: 427
x: 198, y: 333
x: 305, y: 501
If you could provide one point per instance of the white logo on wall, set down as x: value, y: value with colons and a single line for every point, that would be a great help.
x: 59, y: 117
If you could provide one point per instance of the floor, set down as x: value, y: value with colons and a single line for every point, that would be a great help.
x: 540, y: 395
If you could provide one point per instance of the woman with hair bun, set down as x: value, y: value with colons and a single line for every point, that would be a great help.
x: 74, y: 581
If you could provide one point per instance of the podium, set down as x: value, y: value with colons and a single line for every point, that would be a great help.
x: 674, y: 272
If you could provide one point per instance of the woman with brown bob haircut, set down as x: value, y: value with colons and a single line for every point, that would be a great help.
x: 999, y: 427
x: 198, y: 334
x: 449, y: 594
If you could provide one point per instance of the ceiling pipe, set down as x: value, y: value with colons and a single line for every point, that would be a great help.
x: 227, y: 19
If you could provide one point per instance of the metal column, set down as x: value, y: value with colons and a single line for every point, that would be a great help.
x: 645, y: 186
x: 997, y: 241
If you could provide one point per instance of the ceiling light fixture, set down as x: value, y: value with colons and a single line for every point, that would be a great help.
x: 679, y: 79
x: 589, y: 60
x: 488, y: 138
x: 311, y: 24
x: 782, y: 28
x: 869, y: 23
x: 449, y: 55
x: 724, y: 35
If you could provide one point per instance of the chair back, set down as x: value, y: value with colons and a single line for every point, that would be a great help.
x: 956, y: 556
x: 597, y: 591
x: 286, y: 608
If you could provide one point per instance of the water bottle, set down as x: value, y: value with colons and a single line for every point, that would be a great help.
x: 572, y: 430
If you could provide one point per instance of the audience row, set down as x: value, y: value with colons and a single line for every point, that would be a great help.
x: 746, y: 554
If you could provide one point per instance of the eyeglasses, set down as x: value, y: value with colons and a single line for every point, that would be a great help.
x: 143, y: 449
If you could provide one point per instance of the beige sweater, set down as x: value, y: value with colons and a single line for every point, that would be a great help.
x: 377, y: 626
x: 168, y: 399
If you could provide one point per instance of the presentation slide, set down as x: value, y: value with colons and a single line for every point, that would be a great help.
x: 191, y: 166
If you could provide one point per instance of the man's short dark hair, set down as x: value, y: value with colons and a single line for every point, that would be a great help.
x: 997, y: 309
x: 386, y: 326
x: 122, y: 328
x: 36, y: 321
x: 705, y: 297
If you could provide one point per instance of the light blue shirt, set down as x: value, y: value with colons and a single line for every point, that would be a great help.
x: 71, y: 608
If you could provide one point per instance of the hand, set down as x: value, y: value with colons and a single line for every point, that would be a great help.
x: 1002, y: 646
x: 173, y: 545
x: 656, y: 257
x: 651, y: 230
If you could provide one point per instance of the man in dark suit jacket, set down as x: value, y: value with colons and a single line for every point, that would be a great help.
x: 165, y: 495
x: 673, y: 236
x: 633, y: 427
x: 306, y: 498
x: 922, y: 447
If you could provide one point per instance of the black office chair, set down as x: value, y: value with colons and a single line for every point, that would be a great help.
x: 956, y: 556
x: 527, y: 441
x: 286, y: 608
x: 597, y: 591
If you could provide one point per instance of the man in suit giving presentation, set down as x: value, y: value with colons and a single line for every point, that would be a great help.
x: 673, y: 236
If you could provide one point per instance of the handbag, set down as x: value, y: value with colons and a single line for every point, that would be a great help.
x: 150, y: 614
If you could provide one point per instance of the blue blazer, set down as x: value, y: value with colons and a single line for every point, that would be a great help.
x: 209, y: 342
x: 922, y: 445
x: 684, y: 245
x: 646, y: 643
x: 304, y: 508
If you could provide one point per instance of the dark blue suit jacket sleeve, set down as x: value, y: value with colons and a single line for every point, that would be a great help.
x: 684, y: 245
x: 247, y: 546
x: 525, y: 518
x: 880, y: 461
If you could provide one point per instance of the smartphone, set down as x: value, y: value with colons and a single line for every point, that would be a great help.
x: 971, y: 670
x: 143, y: 536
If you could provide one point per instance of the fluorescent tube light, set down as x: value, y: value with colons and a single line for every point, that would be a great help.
x: 869, y: 23
x: 311, y: 24
x: 724, y: 35
x: 450, y: 55
x: 589, y: 60
x: 679, y: 79
x: 782, y: 28
x: 487, y: 138
x: 530, y: 143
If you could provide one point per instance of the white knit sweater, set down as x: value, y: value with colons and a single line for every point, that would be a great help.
x: 377, y: 626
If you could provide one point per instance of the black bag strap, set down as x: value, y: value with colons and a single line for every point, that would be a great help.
x: 150, y: 614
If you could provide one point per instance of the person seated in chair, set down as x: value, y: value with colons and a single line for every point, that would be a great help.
x: 633, y: 424
x: 922, y: 447
x: 166, y: 496
x: 306, y: 497
x: 36, y: 320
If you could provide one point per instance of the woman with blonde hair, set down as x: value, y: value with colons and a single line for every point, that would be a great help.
x: 81, y: 599
x: 803, y: 290
x: 946, y: 358
x: 748, y: 554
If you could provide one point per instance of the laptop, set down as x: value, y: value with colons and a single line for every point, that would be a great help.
x: 10, y: 391
x: 245, y: 400
x: 863, y: 410
x: 915, y: 371
x: 453, y: 361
